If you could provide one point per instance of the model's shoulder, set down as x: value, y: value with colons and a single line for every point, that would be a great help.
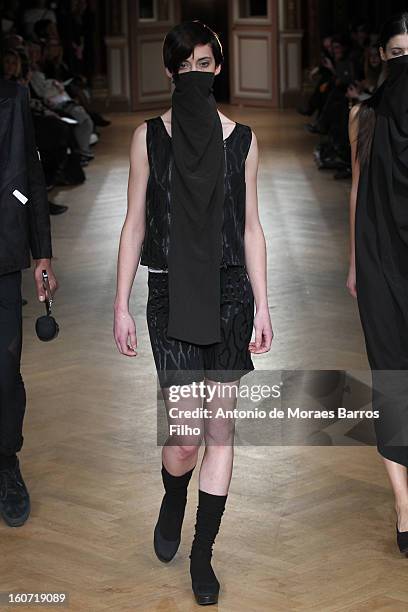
x: 248, y: 135
x: 151, y: 120
x: 154, y: 126
x: 139, y: 133
x: 354, y: 111
x: 355, y: 120
x: 245, y: 126
x: 245, y: 130
x: 138, y: 141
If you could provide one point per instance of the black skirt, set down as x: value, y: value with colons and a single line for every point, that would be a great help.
x: 178, y: 362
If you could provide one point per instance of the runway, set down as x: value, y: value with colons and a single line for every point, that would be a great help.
x: 305, y: 528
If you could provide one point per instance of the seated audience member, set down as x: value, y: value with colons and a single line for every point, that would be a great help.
x: 55, y: 97
x: 60, y: 97
x: 360, y: 41
x: 374, y: 72
x: 13, y: 41
x: 8, y: 19
x: 54, y: 137
x: 37, y: 11
x: 55, y: 67
x: 73, y: 19
x: 12, y: 65
x: 322, y: 77
x: 45, y: 30
x: 343, y: 74
x: 334, y: 153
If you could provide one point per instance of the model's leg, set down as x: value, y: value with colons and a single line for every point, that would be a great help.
x: 180, y: 451
x: 177, y: 363
x: 14, y: 498
x: 389, y: 393
x: 179, y: 457
x: 12, y: 397
x: 216, y: 467
x: 215, y: 477
x: 397, y: 474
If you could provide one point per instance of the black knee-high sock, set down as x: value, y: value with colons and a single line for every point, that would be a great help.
x: 209, y: 512
x: 173, y: 503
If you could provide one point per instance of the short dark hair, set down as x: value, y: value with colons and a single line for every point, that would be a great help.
x: 397, y: 24
x: 180, y: 41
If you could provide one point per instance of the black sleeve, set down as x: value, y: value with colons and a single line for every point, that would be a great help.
x: 38, y: 208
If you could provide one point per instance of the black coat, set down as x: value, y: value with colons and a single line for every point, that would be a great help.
x: 24, y: 227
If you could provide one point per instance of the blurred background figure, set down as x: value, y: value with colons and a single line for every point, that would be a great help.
x: 37, y: 11
x: 47, y: 47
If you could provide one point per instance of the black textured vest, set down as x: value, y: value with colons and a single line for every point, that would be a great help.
x: 158, y: 205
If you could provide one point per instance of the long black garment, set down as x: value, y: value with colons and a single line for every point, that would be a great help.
x: 381, y: 232
x: 195, y: 247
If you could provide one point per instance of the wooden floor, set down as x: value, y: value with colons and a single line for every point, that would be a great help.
x: 306, y: 528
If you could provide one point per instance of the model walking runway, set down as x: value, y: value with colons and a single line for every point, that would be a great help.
x: 205, y: 249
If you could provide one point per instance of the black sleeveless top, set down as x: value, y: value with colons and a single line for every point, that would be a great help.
x: 158, y: 205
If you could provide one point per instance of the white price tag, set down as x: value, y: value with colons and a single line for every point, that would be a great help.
x: 17, y: 194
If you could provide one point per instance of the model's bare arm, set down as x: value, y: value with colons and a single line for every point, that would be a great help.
x: 255, y: 254
x: 353, y: 134
x: 131, y: 241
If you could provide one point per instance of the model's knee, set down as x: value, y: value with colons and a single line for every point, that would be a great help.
x: 183, y: 453
x: 219, y: 432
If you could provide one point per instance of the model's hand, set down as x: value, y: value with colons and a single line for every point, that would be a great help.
x: 263, y: 332
x: 124, y: 332
x: 351, y: 281
x: 39, y: 266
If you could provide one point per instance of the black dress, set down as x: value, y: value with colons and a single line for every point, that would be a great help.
x: 381, y: 250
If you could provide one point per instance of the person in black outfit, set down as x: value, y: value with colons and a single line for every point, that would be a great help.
x: 322, y: 75
x: 225, y: 251
x: 360, y: 41
x: 24, y: 227
x: 378, y: 274
x: 344, y: 72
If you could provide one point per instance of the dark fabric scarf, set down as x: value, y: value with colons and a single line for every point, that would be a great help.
x: 197, y: 201
x: 388, y: 177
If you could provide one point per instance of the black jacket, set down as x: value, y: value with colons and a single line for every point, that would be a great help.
x: 24, y: 227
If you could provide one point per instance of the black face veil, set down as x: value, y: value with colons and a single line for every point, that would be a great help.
x: 197, y: 201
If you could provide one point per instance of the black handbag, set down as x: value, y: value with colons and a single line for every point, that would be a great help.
x: 46, y: 326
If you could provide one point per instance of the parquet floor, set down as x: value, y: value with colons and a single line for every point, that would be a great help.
x: 306, y: 528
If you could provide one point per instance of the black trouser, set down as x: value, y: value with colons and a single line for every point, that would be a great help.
x: 12, y: 391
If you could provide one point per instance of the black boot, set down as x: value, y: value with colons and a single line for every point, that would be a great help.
x: 204, y: 582
x: 167, y: 533
x: 14, y: 497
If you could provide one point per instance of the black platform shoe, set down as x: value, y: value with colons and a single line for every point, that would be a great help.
x: 14, y: 497
x: 167, y: 533
x: 402, y: 540
x: 164, y: 549
x: 205, y: 590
